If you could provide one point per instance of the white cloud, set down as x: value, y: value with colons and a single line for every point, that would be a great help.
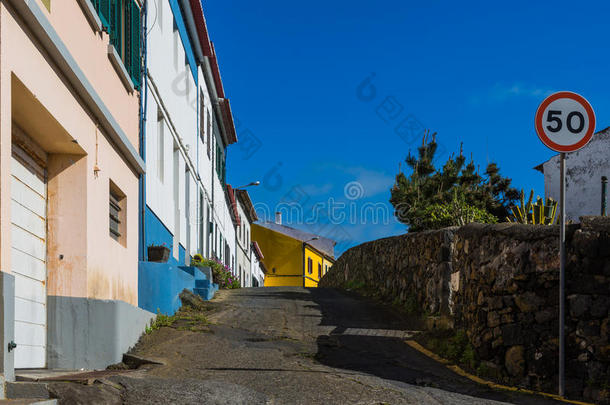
x: 502, y: 91
x: 316, y: 189
x: 373, y: 182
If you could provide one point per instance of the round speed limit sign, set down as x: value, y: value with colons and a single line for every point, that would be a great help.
x: 565, y: 121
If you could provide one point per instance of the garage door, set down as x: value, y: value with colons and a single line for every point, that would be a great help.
x: 28, y: 257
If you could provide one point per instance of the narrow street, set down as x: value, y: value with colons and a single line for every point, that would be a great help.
x: 290, y: 346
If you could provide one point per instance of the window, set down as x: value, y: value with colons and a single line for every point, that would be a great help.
x: 202, y: 117
x: 220, y: 164
x: 115, y: 222
x: 117, y: 214
x: 160, y: 145
x: 121, y: 19
x: 209, y: 134
x: 309, y: 265
x: 319, y: 270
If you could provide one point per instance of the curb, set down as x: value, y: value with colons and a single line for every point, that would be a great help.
x: 490, y: 384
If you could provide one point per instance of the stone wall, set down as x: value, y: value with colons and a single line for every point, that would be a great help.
x: 500, y: 284
x: 412, y: 269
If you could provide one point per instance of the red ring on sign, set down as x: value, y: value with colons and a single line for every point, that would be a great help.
x: 539, y: 118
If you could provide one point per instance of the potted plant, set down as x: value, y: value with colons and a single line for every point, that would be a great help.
x: 158, y: 253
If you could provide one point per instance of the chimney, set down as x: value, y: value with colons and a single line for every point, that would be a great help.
x: 278, y: 218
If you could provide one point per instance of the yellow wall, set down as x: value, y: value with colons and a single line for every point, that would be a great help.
x: 326, y: 265
x: 285, y: 255
x: 282, y: 253
x: 312, y: 279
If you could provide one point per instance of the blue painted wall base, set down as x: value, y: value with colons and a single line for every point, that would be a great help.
x: 160, y: 284
x: 158, y: 234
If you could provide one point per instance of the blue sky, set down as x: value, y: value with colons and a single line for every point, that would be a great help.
x: 474, y: 72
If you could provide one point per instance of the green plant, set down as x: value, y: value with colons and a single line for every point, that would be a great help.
x: 540, y: 213
x: 454, y: 347
x: 455, y: 213
x: 411, y: 305
x: 162, y: 245
x: 354, y: 285
x: 426, y: 196
x: 161, y: 320
x: 194, y: 320
x: 222, y: 274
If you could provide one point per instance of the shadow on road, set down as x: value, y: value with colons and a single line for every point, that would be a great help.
x: 353, y: 345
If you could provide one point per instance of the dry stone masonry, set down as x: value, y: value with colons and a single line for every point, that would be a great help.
x: 499, y: 283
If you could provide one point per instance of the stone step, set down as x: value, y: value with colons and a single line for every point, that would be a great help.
x: 206, y: 293
x: 26, y: 390
x: 202, y: 283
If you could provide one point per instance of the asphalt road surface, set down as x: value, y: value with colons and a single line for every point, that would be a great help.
x: 290, y: 346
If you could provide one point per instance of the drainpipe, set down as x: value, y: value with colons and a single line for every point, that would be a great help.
x: 212, y: 158
x: 143, y: 110
x: 604, y: 194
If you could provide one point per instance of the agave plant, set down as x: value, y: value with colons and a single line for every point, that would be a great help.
x: 540, y: 213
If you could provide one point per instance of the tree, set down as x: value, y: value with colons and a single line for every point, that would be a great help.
x: 431, y: 198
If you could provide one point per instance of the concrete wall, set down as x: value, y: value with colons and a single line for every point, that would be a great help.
x: 7, y: 323
x: 59, y: 88
x: 160, y: 285
x: 90, y: 50
x: 91, y: 334
x: 585, y: 169
x: 158, y: 234
x: 33, y: 86
x: 500, y: 284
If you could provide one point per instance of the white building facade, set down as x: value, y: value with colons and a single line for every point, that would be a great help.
x: 257, y: 266
x: 585, y: 169
x: 189, y: 126
x: 247, y: 215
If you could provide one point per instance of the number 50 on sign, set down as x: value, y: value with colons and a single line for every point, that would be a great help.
x: 565, y: 122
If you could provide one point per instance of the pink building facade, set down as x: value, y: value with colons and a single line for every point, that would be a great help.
x: 69, y: 184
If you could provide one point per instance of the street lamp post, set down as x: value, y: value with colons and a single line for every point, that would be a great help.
x: 254, y: 183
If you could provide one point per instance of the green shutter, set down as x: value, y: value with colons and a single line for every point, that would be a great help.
x: 103, y: 10
x: 134, y: 60
x: 115, y: 25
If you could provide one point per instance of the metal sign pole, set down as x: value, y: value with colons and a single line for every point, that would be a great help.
x: 555, y: 124
x: 562, y: 275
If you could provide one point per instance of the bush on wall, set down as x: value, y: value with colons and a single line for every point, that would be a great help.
x: 222, y: 274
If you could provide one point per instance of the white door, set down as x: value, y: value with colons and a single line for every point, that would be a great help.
x: 28, y: 258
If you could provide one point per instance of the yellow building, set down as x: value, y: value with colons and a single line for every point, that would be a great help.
x: 292, y: 257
